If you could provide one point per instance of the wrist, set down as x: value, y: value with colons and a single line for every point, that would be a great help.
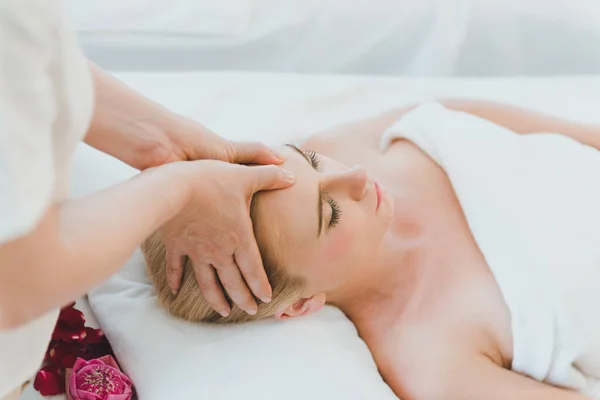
x: 175, y: 185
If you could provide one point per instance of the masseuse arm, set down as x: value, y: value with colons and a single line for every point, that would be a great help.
x: 79, y: 243
x: 143, y: 133
x: 525, y: 121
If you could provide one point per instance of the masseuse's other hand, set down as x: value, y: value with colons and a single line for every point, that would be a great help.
x: 215, y: 232
x: 199, y: 143
x: 184, y: 139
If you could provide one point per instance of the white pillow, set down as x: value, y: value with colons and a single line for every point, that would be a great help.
x: 316, y: 357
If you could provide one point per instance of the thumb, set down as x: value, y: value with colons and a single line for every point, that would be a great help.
x: 269, y: 177
x: 254, y: 153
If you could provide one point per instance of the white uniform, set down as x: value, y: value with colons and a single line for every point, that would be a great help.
x: 533, y: 205
x: 46, y: 103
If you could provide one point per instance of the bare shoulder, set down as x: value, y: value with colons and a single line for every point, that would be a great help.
x: 416, y: 362
x: 423, y: 364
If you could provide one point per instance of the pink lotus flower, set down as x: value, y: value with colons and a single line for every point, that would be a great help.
x: 71, y: 341
x: 98, y: 379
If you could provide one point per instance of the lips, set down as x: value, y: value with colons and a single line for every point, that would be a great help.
x: 378, y: 192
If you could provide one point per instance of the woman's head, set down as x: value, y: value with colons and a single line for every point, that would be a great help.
x: 313, y: 237
x: 328, y: 225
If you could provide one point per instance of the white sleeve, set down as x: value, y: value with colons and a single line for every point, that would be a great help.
x: 27, y: 114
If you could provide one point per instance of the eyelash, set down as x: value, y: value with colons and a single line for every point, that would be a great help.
x: 312, y: 156
x: 336, y: 212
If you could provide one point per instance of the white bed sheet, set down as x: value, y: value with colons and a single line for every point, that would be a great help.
x: 275, y: 108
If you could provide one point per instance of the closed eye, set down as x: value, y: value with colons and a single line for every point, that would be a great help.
x: 312, y: 156
x: 313, y: 159
x: 336, y: 212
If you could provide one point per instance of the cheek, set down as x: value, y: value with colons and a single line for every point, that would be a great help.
x: 340, y: 245
x: 354, y: 239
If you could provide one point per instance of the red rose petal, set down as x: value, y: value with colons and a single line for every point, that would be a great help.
x: 97, y: 350
x: 55, y: 354
x: 71, y: 318
x: 77, y: 336
x: 94, y: 335
x: 47, y: 357
x: 68, y: 361
x: 64, y: 354
x: 59, y: 333
x: 69, y: 336
x: 49, y: 381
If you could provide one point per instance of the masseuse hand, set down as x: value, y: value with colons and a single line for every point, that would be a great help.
x: 178, y: 138
x: 215, y: 231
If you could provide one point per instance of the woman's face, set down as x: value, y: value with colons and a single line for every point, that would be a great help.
x: 329, y: 224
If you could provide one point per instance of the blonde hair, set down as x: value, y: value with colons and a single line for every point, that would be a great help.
x: 189, y: 304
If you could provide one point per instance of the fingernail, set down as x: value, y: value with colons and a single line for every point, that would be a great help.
x: 265, y: 299
x: 224, y: 313
x: 174, y: 292
x: 252, y: 311
x: 289, y: 175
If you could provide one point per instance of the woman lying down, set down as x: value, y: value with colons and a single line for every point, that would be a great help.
x: 466, y: 254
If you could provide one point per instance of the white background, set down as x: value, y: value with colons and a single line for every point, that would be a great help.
x: 398, y: 37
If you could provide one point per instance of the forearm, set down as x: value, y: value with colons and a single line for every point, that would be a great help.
x: 128, y: 125
x: 526, y: 121
x: 81, y: 242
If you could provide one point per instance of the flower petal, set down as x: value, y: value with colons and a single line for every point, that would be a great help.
x: 49, y: 381
x: 109, y: 360
x: 124, y: 396
x: 79, y: 363
x: 70, y: 383
x: 63, y: 334
x: 68, y: 361
x: 60, y: 333
x: 76, y: 336
x: 71, y: 318
x: 94, y: 335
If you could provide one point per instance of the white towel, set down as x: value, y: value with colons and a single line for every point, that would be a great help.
x: 533, y: 205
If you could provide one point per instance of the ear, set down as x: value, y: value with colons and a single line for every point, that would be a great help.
x: 304, y: 306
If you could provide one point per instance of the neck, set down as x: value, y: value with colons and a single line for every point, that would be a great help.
x: 401, y: 269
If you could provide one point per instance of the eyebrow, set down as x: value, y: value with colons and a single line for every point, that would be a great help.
x: 320, y: 199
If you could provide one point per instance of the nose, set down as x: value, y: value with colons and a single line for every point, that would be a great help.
x: 352, y: 181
